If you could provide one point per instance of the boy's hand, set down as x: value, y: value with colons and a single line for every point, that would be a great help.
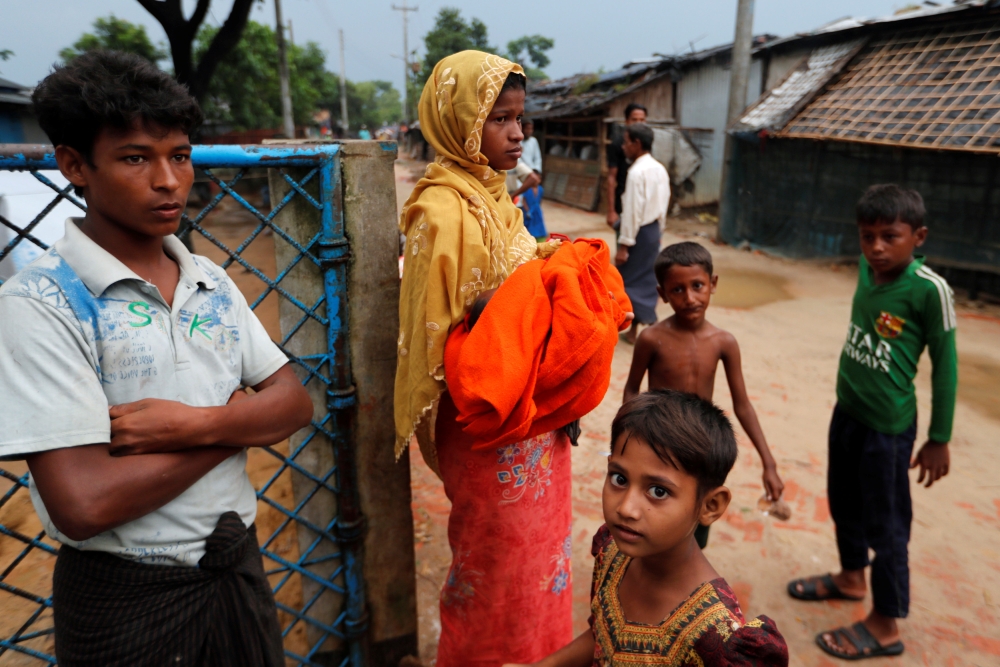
x: 772, y: 483
x: 153, y: 426
x: 621, y: 256
x: 934, y: 460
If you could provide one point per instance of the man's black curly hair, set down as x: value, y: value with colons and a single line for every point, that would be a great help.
x: 110, y: 88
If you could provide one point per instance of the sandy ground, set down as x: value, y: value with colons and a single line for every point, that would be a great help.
x: 789, y: 318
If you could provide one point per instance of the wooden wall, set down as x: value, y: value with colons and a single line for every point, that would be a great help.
x: 657, y: 96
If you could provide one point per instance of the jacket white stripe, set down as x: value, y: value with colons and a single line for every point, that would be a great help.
x: 945, y: 294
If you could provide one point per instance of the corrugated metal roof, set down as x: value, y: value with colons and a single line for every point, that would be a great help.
x: 779, y: 104
x: 929, y: 10
x: 14, y: 93
x: 557, y: 98
x: 14, y: 98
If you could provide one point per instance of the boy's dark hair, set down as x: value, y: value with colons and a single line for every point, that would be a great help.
x: 642, y: 133
x: 110, y: 88
x: 514, y: 81
x: 684, y: 430
x: 682, y: 254
x: 632, y: 107
x: 888, y: 202
x: 527, y: 121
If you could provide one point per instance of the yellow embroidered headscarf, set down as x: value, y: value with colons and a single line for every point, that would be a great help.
x: 463, y: 234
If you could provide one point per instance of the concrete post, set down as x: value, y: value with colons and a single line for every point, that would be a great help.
x: 367, y: 189
x: 370, y: 217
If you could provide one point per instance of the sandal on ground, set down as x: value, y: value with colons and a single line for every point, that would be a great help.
x: 810, y: 592
x: 864, y: 643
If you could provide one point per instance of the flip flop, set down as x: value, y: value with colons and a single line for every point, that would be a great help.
x: 865, y: 645
x: 809, y: 591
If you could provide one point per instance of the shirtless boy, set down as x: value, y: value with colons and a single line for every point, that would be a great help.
x: 683, y: 351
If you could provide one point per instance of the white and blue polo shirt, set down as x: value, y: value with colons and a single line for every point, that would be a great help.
x: 80, y: 331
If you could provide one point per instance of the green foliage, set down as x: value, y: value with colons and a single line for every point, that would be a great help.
x: 535, y: 46
x: 452, y: 33
x: 5, y: 54
x: 371, y: 103
x: 115, y: 34
x: 245, y: 92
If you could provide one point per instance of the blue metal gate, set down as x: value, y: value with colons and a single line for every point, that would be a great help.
x: 326, y: 563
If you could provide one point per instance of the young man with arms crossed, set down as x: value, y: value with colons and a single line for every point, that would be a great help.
x: 123, y: 360
x: 900, y: 307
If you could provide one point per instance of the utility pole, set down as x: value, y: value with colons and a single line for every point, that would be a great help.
x: 406, y: 59
x: 343, y: 87
x: 287, y: 123
x: 740, y: 72
x: 739, y: 77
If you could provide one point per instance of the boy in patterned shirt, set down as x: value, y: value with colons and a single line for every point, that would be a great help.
x: 655, y: 597
x: 900, y: 307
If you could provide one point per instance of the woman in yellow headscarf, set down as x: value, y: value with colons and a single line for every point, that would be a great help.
x: 507, y: 597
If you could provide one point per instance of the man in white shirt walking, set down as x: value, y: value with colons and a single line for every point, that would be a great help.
x: 644, y: 210
x: 531, y: 152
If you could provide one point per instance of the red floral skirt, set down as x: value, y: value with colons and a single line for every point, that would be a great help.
x: 508, y: 596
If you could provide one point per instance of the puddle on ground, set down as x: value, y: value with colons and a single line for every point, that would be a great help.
x: 979, y: 383
x: 749, y: 289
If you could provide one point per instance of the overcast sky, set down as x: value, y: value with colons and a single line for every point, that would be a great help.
x: 589, y: 34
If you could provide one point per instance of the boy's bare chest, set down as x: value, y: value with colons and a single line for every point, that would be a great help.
x: 685, y: 362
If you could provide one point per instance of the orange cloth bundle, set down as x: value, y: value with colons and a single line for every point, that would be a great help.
x: 540, y: 355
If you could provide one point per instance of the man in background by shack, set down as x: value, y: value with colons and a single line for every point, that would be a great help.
x: 644, y: 210
x: 531, y: 152
x: 618, y: 164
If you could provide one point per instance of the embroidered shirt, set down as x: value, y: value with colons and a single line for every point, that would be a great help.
x: 80, y: 332
x: 706, y: 629
x: 647, y: 195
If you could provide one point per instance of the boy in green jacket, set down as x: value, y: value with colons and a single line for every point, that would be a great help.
x: 900, y: 307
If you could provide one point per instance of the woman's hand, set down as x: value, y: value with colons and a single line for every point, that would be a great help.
x: 629, y: 315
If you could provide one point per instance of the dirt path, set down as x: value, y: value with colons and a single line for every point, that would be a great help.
x: 789, y: 318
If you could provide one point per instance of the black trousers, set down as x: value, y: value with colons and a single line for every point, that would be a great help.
x: 112, y: 612
x: 869, y: 491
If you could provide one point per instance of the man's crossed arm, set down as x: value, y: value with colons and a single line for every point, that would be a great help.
x: 158, y: 449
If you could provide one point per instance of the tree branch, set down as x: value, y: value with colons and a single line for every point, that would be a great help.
x: 199, y: 15
x: 180, y: 33
x: 227, y: 37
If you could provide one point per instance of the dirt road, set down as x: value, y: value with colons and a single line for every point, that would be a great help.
x: 790, y: 318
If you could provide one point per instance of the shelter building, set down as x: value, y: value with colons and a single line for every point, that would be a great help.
x: 17, y: 123
x: 576, y: 118
x: 912, y: 99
